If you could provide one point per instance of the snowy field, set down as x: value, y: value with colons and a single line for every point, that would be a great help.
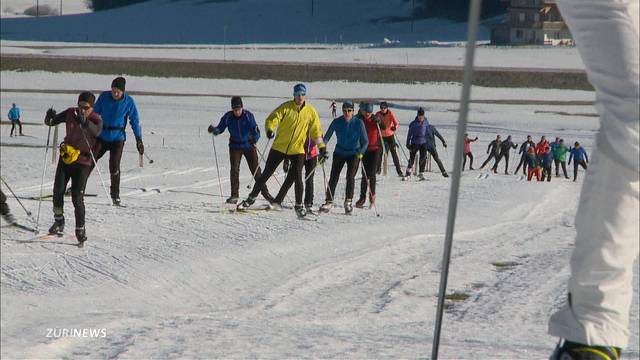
x: 169, y: 276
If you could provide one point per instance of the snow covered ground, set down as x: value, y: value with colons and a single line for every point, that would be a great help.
x: 169, y: 276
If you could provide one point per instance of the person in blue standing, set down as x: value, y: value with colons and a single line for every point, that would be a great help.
x: 14, y: 116
x: 352, y: 144
x: 546, y: 160
x: 579, y: 157
x: 243, y: 136
x: 116, y: 107
x: 421, y: 138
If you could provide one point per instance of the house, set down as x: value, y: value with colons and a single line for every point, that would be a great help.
x: 532, y: 22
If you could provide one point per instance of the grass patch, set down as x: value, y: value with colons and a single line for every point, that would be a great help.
x: 505, y: 264
x: 457, y: 296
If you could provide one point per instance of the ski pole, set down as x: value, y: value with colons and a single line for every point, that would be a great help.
x: 95, y: 164
x: 44, y: 170
x: 215, y: 156
x: 260, y: 159
x: 364, y: 173
x: 401, y: 148
x: 474, y: 15
x: 148, y: 158
x: 14, y: 195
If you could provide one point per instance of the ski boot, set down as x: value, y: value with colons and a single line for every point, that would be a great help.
x: 300, y: 211
x: 326, y: 207
x: 232, y: 200
x: 58, y: 226
x: 372, y: 200
x: 81, y: 235
x: 276, y: 206
x: 8, y: 217
x: 421, y: 177
x: 360, y: 202
x: 116, y: 201
x: 406, y: 177
x: 348, y: 208
x: 444, y: 173
x: 567, y: 350
x: 309, y: 209
x: 245, y: 204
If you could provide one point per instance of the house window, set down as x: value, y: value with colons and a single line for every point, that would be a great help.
x: 522, y: 17
x: 557, y: 35
x: 518, y: 34
x: 536, y: 17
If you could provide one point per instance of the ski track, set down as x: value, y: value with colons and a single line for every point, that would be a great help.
x: 169, y: 276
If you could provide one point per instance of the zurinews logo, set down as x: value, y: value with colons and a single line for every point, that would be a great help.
x: 76, y: 332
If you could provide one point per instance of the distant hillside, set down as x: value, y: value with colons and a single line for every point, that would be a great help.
x: 244, y: 22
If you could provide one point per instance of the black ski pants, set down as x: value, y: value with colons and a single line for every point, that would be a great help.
x: 575, y: 168
x: 115, y: 149
x: 294, y: 176
x: 415, y: 149
x: 564, y: 167
x: 523, y: 163
x: 235, y: 158
x: 4, y: 208
x: 491, y: 156
x: 309, y: 171
x: 506, y: 165
x: 13, y: 127
x: 390, y: 145
x: 369, y: 162
x: 336, y: 168
x: 546, y: 173
x: 464, y: 160
x: 78, y: 174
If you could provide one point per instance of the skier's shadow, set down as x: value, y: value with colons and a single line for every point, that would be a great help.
x: 42, y: 242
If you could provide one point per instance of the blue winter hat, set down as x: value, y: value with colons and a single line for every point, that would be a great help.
x: 299, y: 90
x: 367, y: 107
x: 347, y: 105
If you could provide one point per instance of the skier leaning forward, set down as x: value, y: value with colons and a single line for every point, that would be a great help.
x: 293, y: 119
x: 82, y: 129
x: 351, y: 145
x: 243, y: 136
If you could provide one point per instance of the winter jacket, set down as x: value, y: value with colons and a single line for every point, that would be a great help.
x: 560, y: 153
x: 389, y: 121
x: 432, y: 132
x: 74, y: 132
x: 114, y: 116
x: 531, y: 160
x: 578, y: 154
x: 524, y: 148
x: 541, y: 147
x: 14, y: 114
x: 494, y: 147
x: 506, y: 146
x: 294, y: 125
x: 467, y: 145
x: 546, y: 159
x: 243, y: 131
x: 352, y: 136
x: 373, y: 135
x: 417, y: 132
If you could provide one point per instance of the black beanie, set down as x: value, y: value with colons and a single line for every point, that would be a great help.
x: 88, y: 97
x: 119, y: 83
x: 420, y: 111
x: 236, y: 102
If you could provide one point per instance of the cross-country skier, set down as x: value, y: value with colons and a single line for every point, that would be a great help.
x: 352, y: 143
x: 467, y: 151
x: 493, y: 150
x: 370, y: 157
x: 532, y: 164
x: 505, y: 150
x: 390, y: 122
x: 594, y: 323
x: 14, y: 116
x: 524, y: 150
x: 243, y: 136
x: 560, y: 157
x: 83, y: 126
x: 334, y: 109
x: 580, y: 158
x: 116, y: 107
x: 546, y: 161
x: 421, y: 138
x: 293, y: 120
x: 4, y: 209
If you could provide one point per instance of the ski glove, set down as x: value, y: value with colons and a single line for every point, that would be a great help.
x: 51, y: 113
x: 270, y: 134
x: 444, y: 144
x: 359, y: 156
x: 393, y: 128
x: 212, y: 130
x: 323, y: 155
x: 140, y: 146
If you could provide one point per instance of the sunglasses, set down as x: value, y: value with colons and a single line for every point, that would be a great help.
x: 299, y: 94
x: 84, y: 107
x: 347, y: 110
